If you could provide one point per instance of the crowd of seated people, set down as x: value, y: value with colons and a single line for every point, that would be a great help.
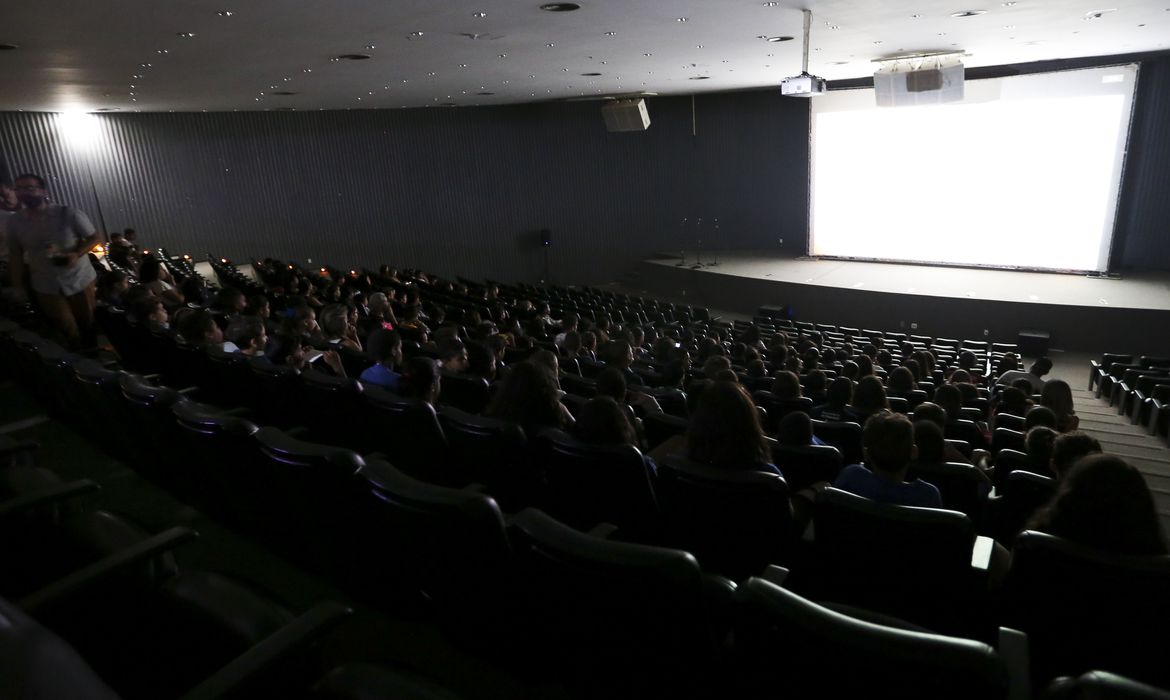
x: 914, y: 404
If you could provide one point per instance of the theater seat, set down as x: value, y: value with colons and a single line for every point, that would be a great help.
x: 789, y: 646
x: 1102, y: 685
x: 1086, y: 609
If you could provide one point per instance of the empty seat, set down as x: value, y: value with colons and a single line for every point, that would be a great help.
x: 805, y: 465
x: 844, y: 435
x: 789, y: 646
x: 611, y: 618
x: 920, y: 564
x: 491, y: 452
x: 588, y: 484
x: 734, y: 522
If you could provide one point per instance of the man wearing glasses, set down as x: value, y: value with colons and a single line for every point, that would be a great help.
x: 54, y: 241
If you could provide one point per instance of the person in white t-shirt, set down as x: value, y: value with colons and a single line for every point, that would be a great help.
x: 54, y: 240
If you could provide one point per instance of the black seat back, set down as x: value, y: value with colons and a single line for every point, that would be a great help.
x: 960, y: 484
x: 408, y: 431
x: 492, y: 452
x: 587, y: 484
x: 1085, y: 609
x: 807, y: 464
x: 784, y: 641
x: 734, y: 522
x: 844, y: 435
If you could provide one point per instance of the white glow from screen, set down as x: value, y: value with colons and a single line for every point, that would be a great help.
x: 1024, y: 172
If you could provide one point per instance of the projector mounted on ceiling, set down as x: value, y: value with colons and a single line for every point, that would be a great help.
x: 805, y: 84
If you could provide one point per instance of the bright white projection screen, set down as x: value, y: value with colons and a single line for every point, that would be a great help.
x: 1024, y: 172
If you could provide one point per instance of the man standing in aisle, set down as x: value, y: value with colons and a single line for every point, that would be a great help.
x: 57, y: 239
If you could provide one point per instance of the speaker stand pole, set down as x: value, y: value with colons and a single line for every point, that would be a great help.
x: 545, y: 280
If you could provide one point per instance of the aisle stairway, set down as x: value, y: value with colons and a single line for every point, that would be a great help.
x: 1119, y: 437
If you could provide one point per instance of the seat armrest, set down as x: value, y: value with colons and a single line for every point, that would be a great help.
x: 279, y: 645
x: 13, y: 448
x: 53, y: 494
x: 775, y: 574
x: 1013, y: 649
x: 186, y: 391
x: 603, y: 530
x: 77, y: 581
x: 981, y: 553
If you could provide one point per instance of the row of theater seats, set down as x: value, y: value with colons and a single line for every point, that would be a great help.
x: 491, y: 577
x: 92, y: 606
x: 1139, y: 386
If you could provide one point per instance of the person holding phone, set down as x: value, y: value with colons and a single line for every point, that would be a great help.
x: 54, y: 241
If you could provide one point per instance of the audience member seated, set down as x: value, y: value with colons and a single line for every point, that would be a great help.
x: 1069, y: 448
x: 199, y: 329
x: 247, y: 335
x: 112, y: 287
x: 724, y: 432
x: 421, y: 380
x: 529, y: 396
x: 888, y: 440
x: 928, y: 411
x: 619, y: 354
x: 786, y: 386
x: 153, y: 276
x: 481, y: 360
x: 296, y: 352
x: 1039, y: 416
x: 603, y: 421
x: 384, y: 348
x: 814, y: 385
x: 869, y: 398
x: 1057, y: 396
x: 452, y: 355
x: 1034, y: 376
x: 901, y: 381
x: 1103, y: 502
x: 150, y: 313
x: 837, y: 401
x: 1013, y: 402
x: 337, y: 329
x: 796, y: 430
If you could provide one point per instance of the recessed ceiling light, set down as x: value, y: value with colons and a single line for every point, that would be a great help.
x: 560, y: 7
x: 479, y: 15
x: 777, y: 39
x: 1098, y: 14
x: 915, y: 16
x: 611, y: 33
x: 161, y: 51
x: 550, y: 45
x: 770, y: 4
x: 225, y: 13
x: 416, y: 33
x: 647, y: 54
x: 462, y: 65
x: 503, y: 55
x: 700, y: 77
x: 879, y: 41
x: 680, y: 19
x: 371, y: 47
x: 186, y: 35
x: 431, y: 73
x: 1009, y: 4
x: 306, y: 70
x: 1009, y: 26
x: 352, y: 57
x: 968, y: 13
x: 144, y: 65
x: 590, y: 74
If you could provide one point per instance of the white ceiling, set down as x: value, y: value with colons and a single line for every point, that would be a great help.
x: 86, y: 54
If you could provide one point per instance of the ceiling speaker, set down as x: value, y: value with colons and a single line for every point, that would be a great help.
x: 626, y: 115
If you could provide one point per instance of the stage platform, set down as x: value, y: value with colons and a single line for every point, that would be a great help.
x: 1081, y: 313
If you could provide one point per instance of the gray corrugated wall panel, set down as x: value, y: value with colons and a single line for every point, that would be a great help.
x: 456, y: 191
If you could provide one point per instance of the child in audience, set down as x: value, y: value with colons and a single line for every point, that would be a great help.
x: 1057, y: 396
x: 1103, y: 502
x: 888, y: 440
x: 384, y: 349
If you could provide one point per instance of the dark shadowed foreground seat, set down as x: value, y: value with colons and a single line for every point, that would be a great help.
x: 735, y: 523
x: 923, y: 565
x: 788, y: 646
x: 1085, y: 609
x: 639, y: 620
x: 1102, y: 685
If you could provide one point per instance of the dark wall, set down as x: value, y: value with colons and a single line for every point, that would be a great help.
x: 450, y: 190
